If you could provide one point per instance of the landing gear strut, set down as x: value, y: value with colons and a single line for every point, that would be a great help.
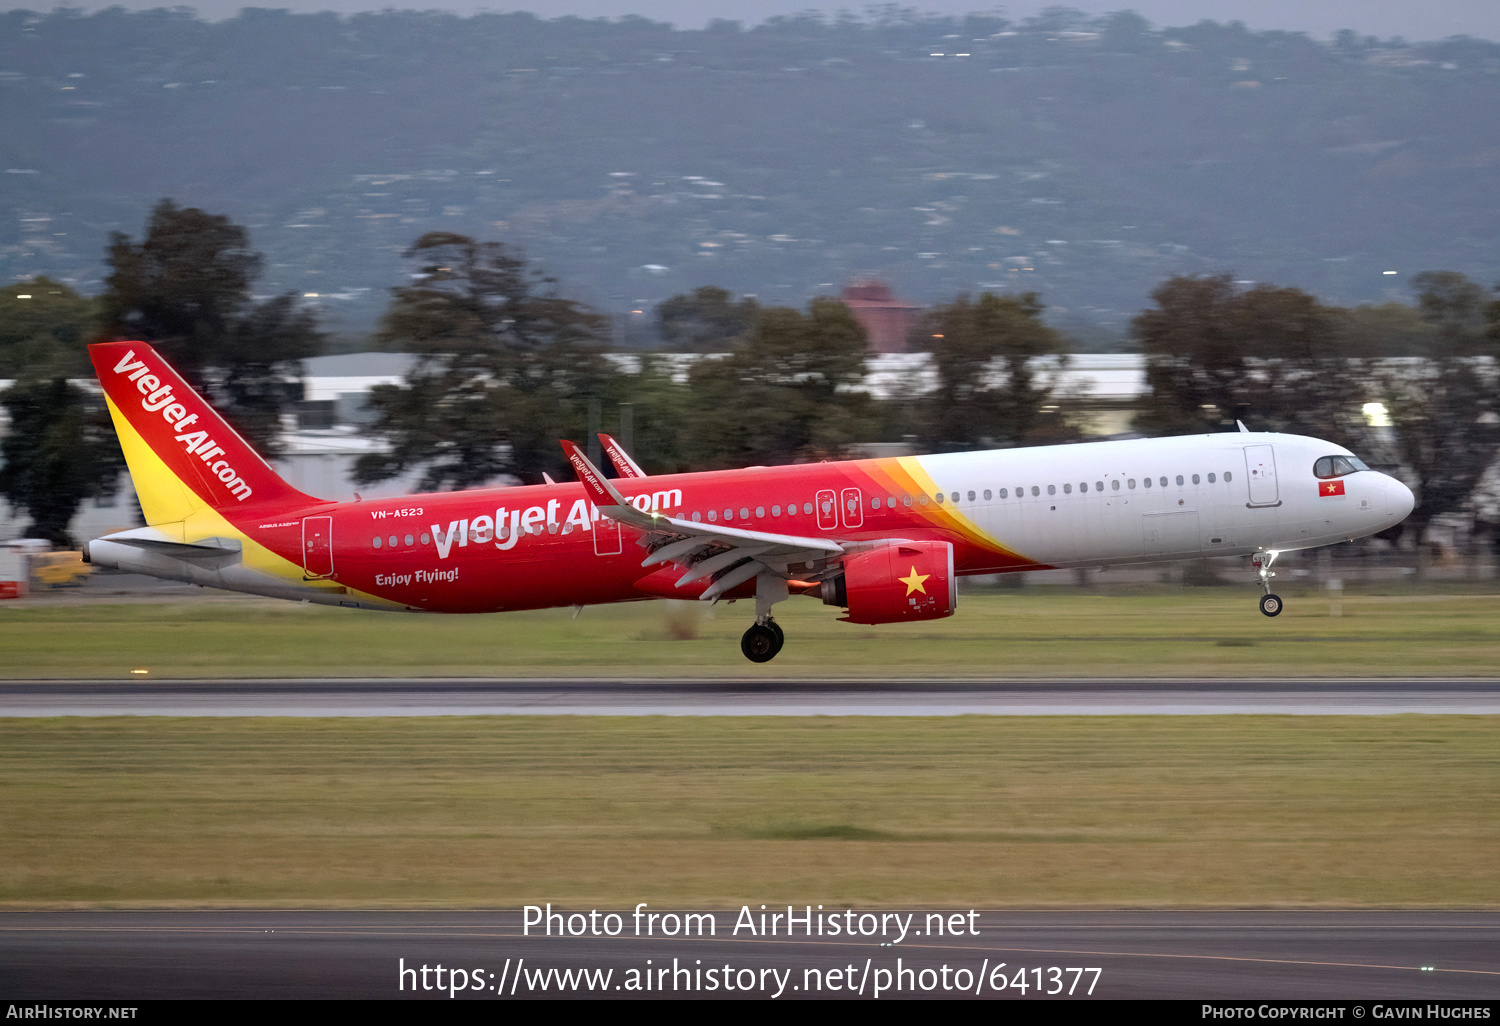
x: 762, y: 641
x: 1270, y: 604
x: 764, y: 638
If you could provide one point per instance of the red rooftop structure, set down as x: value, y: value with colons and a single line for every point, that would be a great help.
x: 887, y: 320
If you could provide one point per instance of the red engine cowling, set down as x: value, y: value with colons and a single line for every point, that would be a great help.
x: 894, y: 583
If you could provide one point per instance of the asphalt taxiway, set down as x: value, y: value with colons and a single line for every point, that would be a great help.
x: 1281, y: 955
x: 749, y: 697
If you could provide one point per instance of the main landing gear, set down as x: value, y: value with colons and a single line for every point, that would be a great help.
x: 1270, y: 604
x: 764, y: 638
x: 762, y: 641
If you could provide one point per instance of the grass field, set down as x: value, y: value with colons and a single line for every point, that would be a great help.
x: 1031, y: 632
x: 605, y: 812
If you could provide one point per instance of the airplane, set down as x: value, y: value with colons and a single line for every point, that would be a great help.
x: 885, y: 540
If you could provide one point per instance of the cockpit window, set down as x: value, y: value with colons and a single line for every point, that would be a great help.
x: 1338, y: 466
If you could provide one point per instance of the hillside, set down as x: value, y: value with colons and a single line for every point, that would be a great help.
x: 1083, y: 159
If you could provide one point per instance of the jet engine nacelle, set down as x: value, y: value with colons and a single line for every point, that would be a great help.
x: 897, y: 582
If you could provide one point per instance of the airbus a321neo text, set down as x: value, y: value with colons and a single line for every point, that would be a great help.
x: 885, y: 540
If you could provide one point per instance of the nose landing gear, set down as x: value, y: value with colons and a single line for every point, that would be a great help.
x: 762, y: 641
x: 1270, y: 604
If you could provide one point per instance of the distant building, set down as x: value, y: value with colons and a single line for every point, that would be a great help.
x: 886, y: 320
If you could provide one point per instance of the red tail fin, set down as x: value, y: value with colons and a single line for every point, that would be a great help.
x: 182, y: 454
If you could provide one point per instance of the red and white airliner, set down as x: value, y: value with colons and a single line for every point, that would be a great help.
x: 883, y: 539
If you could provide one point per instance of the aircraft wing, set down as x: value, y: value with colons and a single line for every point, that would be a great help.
x: 704, y: 550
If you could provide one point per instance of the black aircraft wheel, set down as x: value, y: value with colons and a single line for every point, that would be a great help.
x: 780, y: 637
x: 1270, y: 604
x: 760, y: 643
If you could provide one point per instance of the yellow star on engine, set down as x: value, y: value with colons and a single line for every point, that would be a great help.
x: 914, y: 582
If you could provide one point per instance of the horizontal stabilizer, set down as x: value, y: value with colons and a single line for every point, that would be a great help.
x: 209, y: 553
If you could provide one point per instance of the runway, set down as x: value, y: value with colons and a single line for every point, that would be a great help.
x: 743, y: 697
x: 1308, y: 955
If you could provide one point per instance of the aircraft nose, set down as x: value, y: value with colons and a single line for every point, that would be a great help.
x: 1399, y: 500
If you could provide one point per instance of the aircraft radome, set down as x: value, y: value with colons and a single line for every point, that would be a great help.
x: 883, y: 539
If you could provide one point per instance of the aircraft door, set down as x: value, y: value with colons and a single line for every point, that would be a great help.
x: 853, y: 507
x: 317, y: 546
x: 828, y: 514
x: 607, y: 537
x: 1260, y: 472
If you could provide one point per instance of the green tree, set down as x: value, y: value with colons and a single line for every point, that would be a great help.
x: 186, y: 289
x: 60, y: 450
x: 1457, y: 310
x: 705, y: 320
x: 990, y: 391
x: 662, y: 414
x: 44, y: 329
x: 791, y: 392
x: 1273, y: 357
x: 506, y: 367
x: 1385, y: 330
x: 1444, y: 409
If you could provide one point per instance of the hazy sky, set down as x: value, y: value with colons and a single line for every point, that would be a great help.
x: 1413, y: 19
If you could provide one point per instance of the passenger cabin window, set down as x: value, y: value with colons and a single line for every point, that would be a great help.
x: 1210, y: 479
x: 1004, y: 493
x: 1115, y: 484
x: 1195, y: 479
x: 1052, y: 489
x: 1035, y: 490
x: 1337, y: 466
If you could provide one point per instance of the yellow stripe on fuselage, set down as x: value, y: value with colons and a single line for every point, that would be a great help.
x: 172, y: 508
x: 972, y: 532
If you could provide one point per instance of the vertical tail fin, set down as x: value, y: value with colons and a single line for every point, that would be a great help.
x: 182, y: 455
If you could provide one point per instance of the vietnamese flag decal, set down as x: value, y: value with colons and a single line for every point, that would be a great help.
x: 1326, y: 488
